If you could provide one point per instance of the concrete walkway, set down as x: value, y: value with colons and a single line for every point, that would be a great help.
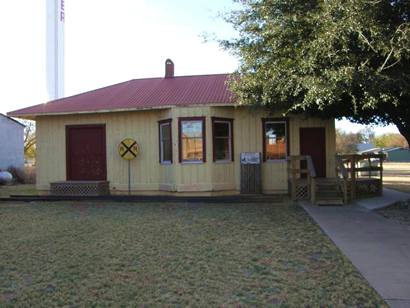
x: 389, y: 197
x: 379, y: 248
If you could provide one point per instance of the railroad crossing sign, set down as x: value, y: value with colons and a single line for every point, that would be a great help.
x: 128, y: 149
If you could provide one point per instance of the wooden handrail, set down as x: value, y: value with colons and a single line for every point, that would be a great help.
x: 349, y: 171
x: 311, y: 166
x: 341, y: 167
x: 349, y: 165
x: 371, y: 168
x: 361, y: 156
x: 311, y: 171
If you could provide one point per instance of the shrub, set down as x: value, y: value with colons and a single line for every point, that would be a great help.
x: 2, y: 182
x: 18, y: 174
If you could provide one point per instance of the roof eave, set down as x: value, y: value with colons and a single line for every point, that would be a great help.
x: 33, y: 116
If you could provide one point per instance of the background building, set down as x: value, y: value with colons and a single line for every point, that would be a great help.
x: 11, y: 143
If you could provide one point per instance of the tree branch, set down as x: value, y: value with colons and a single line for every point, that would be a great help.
x: 387, y: 60
x: 367, y: 41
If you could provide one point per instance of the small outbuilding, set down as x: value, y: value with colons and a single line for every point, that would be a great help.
x: 11, y: 143
x: 397, y: 155
x: 394, y: 155
x: 189, y: 130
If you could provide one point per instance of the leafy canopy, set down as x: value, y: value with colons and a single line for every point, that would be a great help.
x: 331, y: 58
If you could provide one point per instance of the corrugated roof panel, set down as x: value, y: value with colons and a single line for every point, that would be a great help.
x: 141, y: 94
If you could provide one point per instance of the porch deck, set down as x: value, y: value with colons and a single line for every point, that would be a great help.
x: 358, y: 176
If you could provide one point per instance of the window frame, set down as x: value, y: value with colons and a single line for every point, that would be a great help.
x: 161, y: 148
x: 231, y: 139
x: 189, y: 119
x: 275, y: 120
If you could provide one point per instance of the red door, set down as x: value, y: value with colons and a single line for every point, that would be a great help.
x: 86, y: 153
x: 313, y: 143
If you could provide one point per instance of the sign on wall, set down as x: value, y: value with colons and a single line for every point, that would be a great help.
x: 250, y: 158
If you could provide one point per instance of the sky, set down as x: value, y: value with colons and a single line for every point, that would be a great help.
x: 111, y: 41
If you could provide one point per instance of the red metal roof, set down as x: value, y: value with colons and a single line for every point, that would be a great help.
x: 137, y: 94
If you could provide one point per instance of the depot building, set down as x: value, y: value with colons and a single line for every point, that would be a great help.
x: 189, y: 135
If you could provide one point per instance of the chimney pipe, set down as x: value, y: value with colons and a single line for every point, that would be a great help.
x: 169, y: 68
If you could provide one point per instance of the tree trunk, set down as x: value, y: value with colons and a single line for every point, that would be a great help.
x: 404, y: 129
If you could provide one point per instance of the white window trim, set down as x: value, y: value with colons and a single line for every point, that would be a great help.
x: 286, y: 139
x: 161, y: 143
x: 229, y: 160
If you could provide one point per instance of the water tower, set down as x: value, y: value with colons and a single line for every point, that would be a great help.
x: 55, y: 48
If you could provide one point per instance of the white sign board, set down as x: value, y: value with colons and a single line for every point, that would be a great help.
x: 250, y: 158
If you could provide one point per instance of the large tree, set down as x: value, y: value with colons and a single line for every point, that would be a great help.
x: 347, y: 142
x: 29, y: 139
x: 390, y: 141
x: 332, y: 58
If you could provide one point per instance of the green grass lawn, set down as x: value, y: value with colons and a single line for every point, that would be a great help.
x: 172, y: 254
x: 19, y: 189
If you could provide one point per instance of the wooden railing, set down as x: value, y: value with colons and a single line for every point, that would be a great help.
x: 299, y: 167
x: 351, y: 169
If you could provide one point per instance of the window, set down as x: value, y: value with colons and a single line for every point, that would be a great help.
x: 192, y: 139
x: 222, y: 139
x: 165, y: 142
x: 275, y: 139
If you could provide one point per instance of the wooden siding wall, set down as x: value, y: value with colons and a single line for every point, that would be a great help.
x: 142, y: 126
x: 248, y: 125
x: 329, y: 125
x: 148, y: 174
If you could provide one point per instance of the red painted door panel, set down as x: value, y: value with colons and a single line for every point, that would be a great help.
x: 313, y: 143
x: 86, y: 153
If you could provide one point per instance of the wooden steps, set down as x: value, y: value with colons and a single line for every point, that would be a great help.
x: 328, y: 192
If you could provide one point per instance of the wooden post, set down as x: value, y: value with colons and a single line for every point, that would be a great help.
x: 313, y: 190
x: 343, y: 175
x: 293, y: 183
x: 345, y: 194
x: 337, y: 169
x: 370, y: 167
x: 353, y: 176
